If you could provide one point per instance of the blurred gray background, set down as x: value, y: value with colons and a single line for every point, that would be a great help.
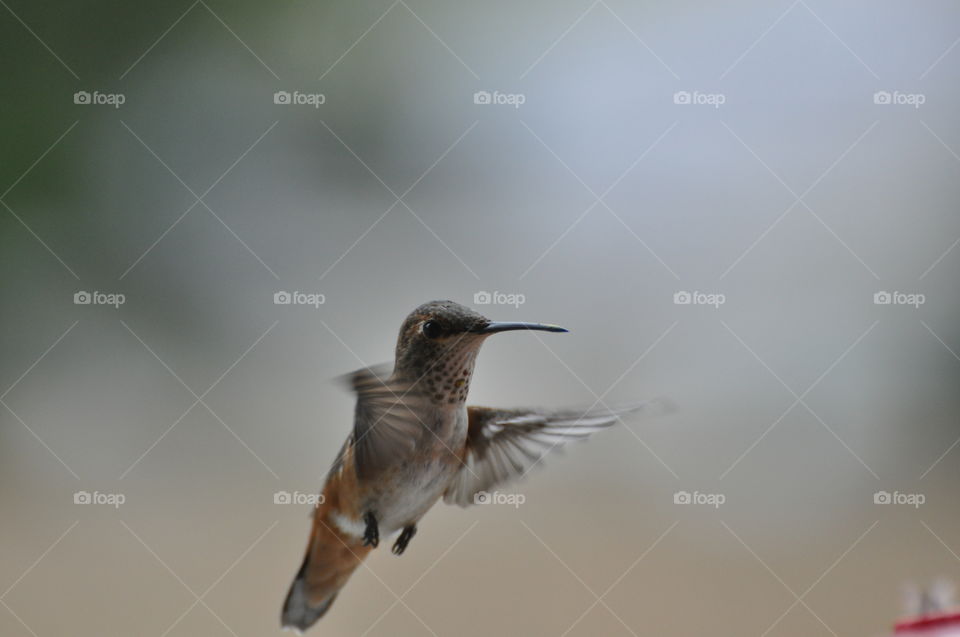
x: 814, y: 166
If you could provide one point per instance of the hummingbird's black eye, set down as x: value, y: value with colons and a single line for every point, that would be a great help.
x: 432, y: 329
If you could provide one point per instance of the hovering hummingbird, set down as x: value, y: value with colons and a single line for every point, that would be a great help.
x: 414, y: 440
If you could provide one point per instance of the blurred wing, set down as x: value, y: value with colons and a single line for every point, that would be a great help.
x: 503, y: 444
x: 386, y: 425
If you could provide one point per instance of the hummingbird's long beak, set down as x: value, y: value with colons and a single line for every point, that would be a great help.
x: 505, y: 326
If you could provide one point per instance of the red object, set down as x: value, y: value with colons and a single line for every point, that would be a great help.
x: 934, y: 625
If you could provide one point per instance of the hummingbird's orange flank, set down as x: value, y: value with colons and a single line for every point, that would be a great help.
x: 414, y: 440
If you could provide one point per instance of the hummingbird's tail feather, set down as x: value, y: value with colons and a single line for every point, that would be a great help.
x: 298, y: 613
x: 331, y: 559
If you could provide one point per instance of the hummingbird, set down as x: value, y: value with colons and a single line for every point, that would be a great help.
x: 415, y: 440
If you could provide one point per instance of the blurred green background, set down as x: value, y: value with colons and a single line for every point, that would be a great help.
x: 814, y: 167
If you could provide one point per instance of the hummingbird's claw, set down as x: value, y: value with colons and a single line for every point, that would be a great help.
x: 371, y: 536
x: 405, y: 536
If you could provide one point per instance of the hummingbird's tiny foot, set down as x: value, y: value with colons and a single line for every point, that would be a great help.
x: 371, y: 536
x: 405, y: 536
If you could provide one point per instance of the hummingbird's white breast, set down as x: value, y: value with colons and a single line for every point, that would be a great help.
x: 416, y: 483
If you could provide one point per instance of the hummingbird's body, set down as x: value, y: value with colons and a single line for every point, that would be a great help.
x: 414, y: 441
x: 411, y: 486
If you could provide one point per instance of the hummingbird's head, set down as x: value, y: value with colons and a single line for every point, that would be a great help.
x: 439, y: 341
